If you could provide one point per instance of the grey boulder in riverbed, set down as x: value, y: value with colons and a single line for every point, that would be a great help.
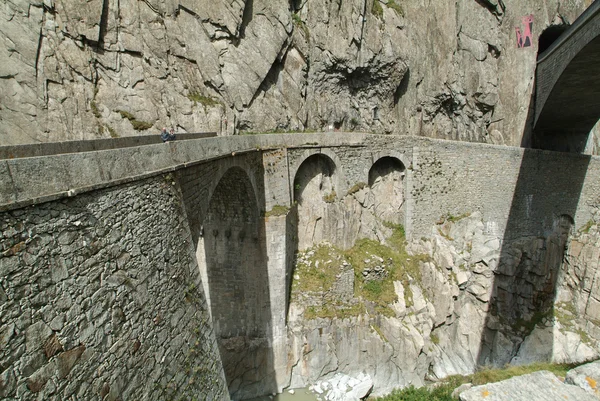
x: 342, y: 387
x: 537, y: 386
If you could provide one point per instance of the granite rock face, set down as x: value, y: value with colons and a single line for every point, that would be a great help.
x: 458, y: 312
x: 75, y: 70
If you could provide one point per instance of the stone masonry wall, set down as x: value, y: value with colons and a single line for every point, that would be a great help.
x: 132, y: 247
x: 101, y: 299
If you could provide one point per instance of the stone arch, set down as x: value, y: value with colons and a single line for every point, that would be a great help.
x: 315, y: 194
x: 232, y: 259
x: 566, y: 102
x: 225, y: 167
x: 338, y: 178
x: 386, y: 183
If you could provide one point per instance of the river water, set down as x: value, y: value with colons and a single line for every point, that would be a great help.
x: 300, y: 394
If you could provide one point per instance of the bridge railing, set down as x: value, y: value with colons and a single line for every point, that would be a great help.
x: 90, y: 145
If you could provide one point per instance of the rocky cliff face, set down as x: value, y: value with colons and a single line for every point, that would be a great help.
x: 471, y: 301
x: 101, y: 68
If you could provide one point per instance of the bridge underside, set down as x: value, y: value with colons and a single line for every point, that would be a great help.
x: 568, y: 92
x: 573, y: 107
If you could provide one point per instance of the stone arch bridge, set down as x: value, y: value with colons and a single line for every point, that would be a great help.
x: 567, y: 98
x: 163, y: 271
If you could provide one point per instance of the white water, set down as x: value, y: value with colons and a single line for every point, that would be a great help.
x: 300, y: 394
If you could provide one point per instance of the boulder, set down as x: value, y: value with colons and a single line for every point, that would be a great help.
x: 587, y: 377
x: 537, y: 386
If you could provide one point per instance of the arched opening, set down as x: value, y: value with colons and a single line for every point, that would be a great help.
x: 315, y: 193
x: 549, y: 36
x: 386, y: 179
x: 232, y: 262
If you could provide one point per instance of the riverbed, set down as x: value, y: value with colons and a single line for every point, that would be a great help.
x: 299, y: 394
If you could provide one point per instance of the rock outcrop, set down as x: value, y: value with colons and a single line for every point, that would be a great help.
x: 75, y: 70
x: 536, y: 386
x: 462, y: 308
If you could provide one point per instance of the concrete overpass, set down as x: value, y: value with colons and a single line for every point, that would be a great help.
x: 567, y: 98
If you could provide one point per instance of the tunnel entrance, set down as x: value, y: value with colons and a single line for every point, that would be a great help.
x: 232, y: 259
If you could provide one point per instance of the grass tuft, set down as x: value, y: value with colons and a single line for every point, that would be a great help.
x: 203, y: 100
x: 586, y: 228
x: 137, y: 124
x: 277, y: 210
x: 330, y: 197
x: 377, y: 10
x: 443, y: 391
x: 357, y: 187
x: 396, y: 7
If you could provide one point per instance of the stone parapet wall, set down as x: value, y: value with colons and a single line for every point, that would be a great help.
x: 36, y: 179
x: 55, y: 148
x: 101, y: 299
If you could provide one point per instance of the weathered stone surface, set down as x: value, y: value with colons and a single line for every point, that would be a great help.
x: 89, y: 342
x: 342, y: 387
x: 439, y: 325
x: 586, y: 376
x: 36, y: 335
x: 538, y: 386
x: 101, y: 69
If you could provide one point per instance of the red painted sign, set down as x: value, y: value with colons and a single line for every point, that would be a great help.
x: 524, y: 38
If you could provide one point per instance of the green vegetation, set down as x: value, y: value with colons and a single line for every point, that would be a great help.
x: 527, y: 326
x: 95, y: 110
x: 443, y: 234
x: 93, y: 105
x: 443, y: 391
x: 566, y: 313
x: 330, y: 311
x: 377, y: 10
x: 137, y: 124
x: 318, y: 268
x: 203, y: 100
x: 400, y: 266
x: 277, y: 210
x: 451, y: 218
x: 140, y: 125
x: 296, y: 18
x: 112, y: 132
x: 379, y: 332
x: 396, y: 7
x: 586, y: 228
x: 318, y: 271
x: 357, y: 187
x: 301, y: 25
x: 330, y: 197
x: 454, y: 219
